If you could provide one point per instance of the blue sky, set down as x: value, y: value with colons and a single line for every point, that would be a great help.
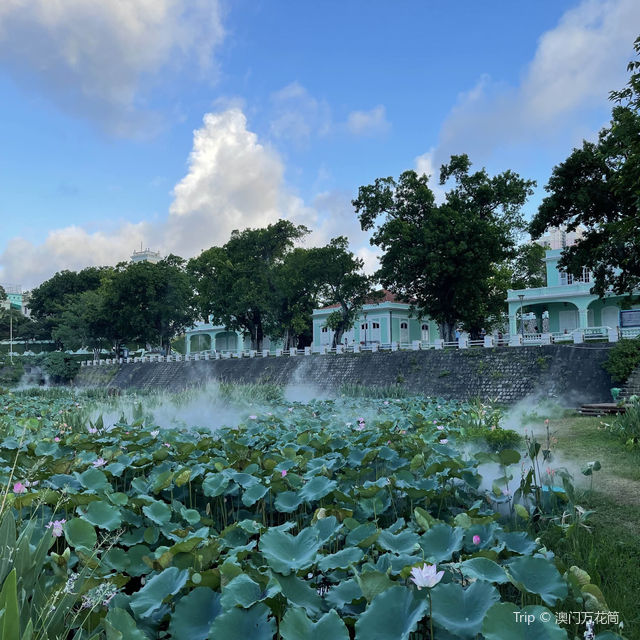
x: 172, y: 122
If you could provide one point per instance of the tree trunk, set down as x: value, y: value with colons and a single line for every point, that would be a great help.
x: 447, y: 331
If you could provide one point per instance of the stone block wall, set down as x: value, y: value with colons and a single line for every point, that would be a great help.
x: 571, y: 373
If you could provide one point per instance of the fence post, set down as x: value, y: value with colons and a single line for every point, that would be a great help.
x: 613, y: 335
x: 463, y: 341
x: 438, y: 343
x: 515, y: 340
x: 307, y: 351
x: 488, y: 342
x: 578, y: 336
x: 278, y: 353
x: 546, y: 338
x: 265, y: 353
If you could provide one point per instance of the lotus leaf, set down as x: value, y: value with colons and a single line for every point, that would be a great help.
x: 103, y: 515
x: 295, y: 625
x: 194, y: 614
x: 286, y: 553
x: 405, y: 542
x: 504, y: 622
x: 121, y: 626
x: 157, y: 512
x: 80, y: 534
x: 484, y: 569
x: 462, y: 611
x: 143, y: 603
x: 441, y: 541
x: 299, y: 593
x: 395, y: 613
x: 341, y: 559
x: 253, y: 623
x: 538, y: 575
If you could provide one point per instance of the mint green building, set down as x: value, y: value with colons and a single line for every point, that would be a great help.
x: 205, y: 336
x: 567, y: 304
x: 379, y: 323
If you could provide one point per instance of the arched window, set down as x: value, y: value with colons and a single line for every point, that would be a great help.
x: 404, y: 325
x: 425, y: 327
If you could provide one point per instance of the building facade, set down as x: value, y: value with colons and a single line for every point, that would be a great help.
x: 206, y: 336
x: 383, y: 322
x: 566, y: 304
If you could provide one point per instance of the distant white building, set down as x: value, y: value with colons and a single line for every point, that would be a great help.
x: 146, y: 255
x: 559, y: 237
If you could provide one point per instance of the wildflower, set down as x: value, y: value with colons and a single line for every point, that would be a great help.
x: 440, y: 428
x: 360, y: 427
x: 435, y: 422
x: 290, y: 408
x: 31, y: 484
x: 154, y: 433
x: 403, y: 432
x: 18, y: 487
x: 92, y: 430
x: 56, y: 439
x: 166, y: 444
x: 546, y: 421
x: 283, y: 473
x: 427, y: 576
x: 386, y: 402
x: 100, y: 462
x: 360, y: 419
x: 253, y: 417
x: 444, y: 441
x: 388, y: 442
x: 476, y: 539
x: 348, y: 424
x: 56, y: 527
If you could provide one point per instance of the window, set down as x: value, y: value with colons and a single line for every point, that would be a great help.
x: 375, y: 325
x: 425, y: 327
x: 404, y: 325
x: 363, y: 326
x: 325, y: 329
x: 567, y: 278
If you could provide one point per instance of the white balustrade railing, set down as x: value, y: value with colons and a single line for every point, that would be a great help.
x: 576, y: 336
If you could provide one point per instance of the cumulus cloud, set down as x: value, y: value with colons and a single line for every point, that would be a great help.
x: 574, y: 67
x: 93, y: 57
x: 368, y: 123
x: 297, y: 115
x: 232, y: 182
x: 69, y: 248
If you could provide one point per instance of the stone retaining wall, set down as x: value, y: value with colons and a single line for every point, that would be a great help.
x: 572, y: 373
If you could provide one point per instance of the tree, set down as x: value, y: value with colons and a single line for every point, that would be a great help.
x: 443, y: 257
x: 86, y: 322
x: 344, y: 284
x: 297, y: 283
x: 598, y: 187
x: 528, y: 270
x: 51, y: 299
x: 3, y: 294
x: 145, y: 302
x: 236, y: 283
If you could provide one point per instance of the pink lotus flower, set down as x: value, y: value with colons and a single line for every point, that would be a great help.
x: 283, y: 473
x: 476, y: 539
x: 444, y: 441
x: 18, y: 487
x: 428, y: 576
x: 56, y: 439
x: 56, y: 527
x: 100, y: 462
x: 166, y: 444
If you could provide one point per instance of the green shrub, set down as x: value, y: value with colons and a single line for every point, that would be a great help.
x: 60, y: 366
x: 500, y: 439
x: 623, y: 359
x: 627, y: 425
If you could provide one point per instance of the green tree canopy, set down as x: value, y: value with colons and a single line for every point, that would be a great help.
x: 344, y: 284
x: 236, y: 284
x: 443, y: 257
x: 598, y: 187
x: 146, y: 302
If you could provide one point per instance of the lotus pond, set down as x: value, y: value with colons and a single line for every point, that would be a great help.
x: 291, y: 521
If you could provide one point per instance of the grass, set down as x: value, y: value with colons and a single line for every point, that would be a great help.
x: 611, y: 552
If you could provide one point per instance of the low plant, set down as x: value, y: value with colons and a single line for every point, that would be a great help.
x: 623, y: 358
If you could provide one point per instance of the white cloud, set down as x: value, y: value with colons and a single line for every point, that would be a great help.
x: 232, y: 182
x: 368, y: 123
x: 297, y: 115
x: 574, y: 67
x: 93, y: 57
x: 72, y: 247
